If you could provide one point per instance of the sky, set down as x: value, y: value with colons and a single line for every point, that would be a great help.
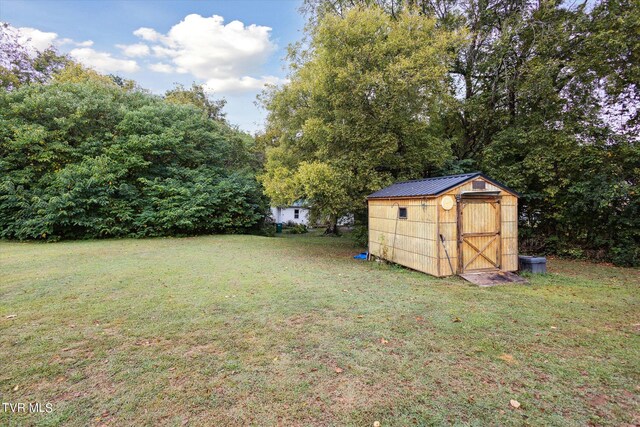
x: 232, y: 47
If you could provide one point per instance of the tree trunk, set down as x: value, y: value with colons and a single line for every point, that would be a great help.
x: 332, y: 228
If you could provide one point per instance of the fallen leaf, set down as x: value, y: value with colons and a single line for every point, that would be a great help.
x: 457, y: 320
x: 376, y: 424
x: 554, y: 327
x: 514, y: 403
x: 419, y: 319
x: 11, y: 316
x: 16, y: 388
x: 275, y: 359
x: 339, y: 370
x: 360, y: 317
x: 383, y: 341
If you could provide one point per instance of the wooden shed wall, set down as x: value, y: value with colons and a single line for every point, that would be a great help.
x: 415, y: 243
x: 410, y: 242
x: 508, y: 226
x: 509, y: 212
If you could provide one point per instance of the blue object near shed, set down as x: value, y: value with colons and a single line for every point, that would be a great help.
x: 362, y: 255
x: 532, y: 264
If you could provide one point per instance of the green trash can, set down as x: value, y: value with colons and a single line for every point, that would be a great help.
x: 279, y: 227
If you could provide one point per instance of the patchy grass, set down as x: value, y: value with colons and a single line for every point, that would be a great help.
x: 229, y: 330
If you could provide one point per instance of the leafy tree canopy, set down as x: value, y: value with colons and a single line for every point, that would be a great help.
x: 544, y: 97
x: 360, y: 110
x: 20, y: 65
x: 197, y: 97
x: 82, y: 157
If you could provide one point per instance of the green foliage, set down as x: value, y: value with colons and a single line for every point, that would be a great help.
x: 74, y: 72
x: 544, y: 97
x: 197, y: 97
x: 84, y: 158
x: 297, y: 229
x: 359, y: 110
x: 360, y: 236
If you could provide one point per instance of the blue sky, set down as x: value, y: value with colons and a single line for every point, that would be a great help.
x: 174, y: 41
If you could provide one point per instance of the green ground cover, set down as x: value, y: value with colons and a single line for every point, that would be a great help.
x: 237, y: 330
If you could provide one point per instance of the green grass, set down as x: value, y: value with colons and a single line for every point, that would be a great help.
x: 230, y: 330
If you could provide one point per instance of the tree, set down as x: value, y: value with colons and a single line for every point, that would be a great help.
x: 19, y: 65
x: 74, y: 72
x: 360, y: 111
x: 197, y: 97
x: 126, y: 84
x: 88, y: 159
x: 546, y: 100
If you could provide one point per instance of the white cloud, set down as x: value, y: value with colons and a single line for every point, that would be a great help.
x: 87, y: 43
x: 36, y: 39
x: 61, y: 42
x: 241, y: 84
x: 103, y: 61
x: 134, y: 50
x: 161, y: 52
x: 227, y: 56
x: 159, y: 67
x: 148, y: 34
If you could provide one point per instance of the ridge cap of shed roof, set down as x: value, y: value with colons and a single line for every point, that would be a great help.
x: 433, y: 186
x: 433, y: 178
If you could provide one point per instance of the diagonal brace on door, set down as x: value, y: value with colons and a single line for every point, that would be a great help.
x: 480, y: 252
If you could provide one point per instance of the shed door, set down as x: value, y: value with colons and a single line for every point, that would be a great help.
x: 479, y: 234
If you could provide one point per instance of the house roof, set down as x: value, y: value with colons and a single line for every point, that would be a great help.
x: 429, y: 186
x: 297, y: 204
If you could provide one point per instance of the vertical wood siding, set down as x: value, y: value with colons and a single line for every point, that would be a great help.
x: 410, y: 242
x: 415, y: 243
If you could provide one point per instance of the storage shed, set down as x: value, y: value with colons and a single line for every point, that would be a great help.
x: 446, y: 225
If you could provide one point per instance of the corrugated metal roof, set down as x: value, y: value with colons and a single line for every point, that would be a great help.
x: 424, y: 187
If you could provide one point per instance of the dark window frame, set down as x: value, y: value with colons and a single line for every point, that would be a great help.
x: 296, y: 214
x: 402, y: 210
x: 478, y: 184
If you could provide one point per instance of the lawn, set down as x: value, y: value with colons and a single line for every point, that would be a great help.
x: 237, y: 330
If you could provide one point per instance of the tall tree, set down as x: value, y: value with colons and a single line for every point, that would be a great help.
x: 546, y: 99
x: 20, y: 65
x: 86, y: 158
x: 360, y: 110
x: 199, y: 98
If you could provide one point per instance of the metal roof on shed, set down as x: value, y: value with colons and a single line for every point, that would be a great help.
x: 429, y: 186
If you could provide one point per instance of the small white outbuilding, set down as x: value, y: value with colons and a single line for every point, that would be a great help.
x: 297, y: 213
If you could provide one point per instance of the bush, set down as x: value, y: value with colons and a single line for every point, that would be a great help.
x: 360, y: 236
x: 88, y: 160
x: 298, y: 229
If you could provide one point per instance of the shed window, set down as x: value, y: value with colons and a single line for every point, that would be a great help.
x: 479, y: 185
x: 296, y: 213
x: 402, y: 213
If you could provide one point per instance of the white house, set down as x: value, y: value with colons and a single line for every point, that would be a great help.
x: 297, y: 213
